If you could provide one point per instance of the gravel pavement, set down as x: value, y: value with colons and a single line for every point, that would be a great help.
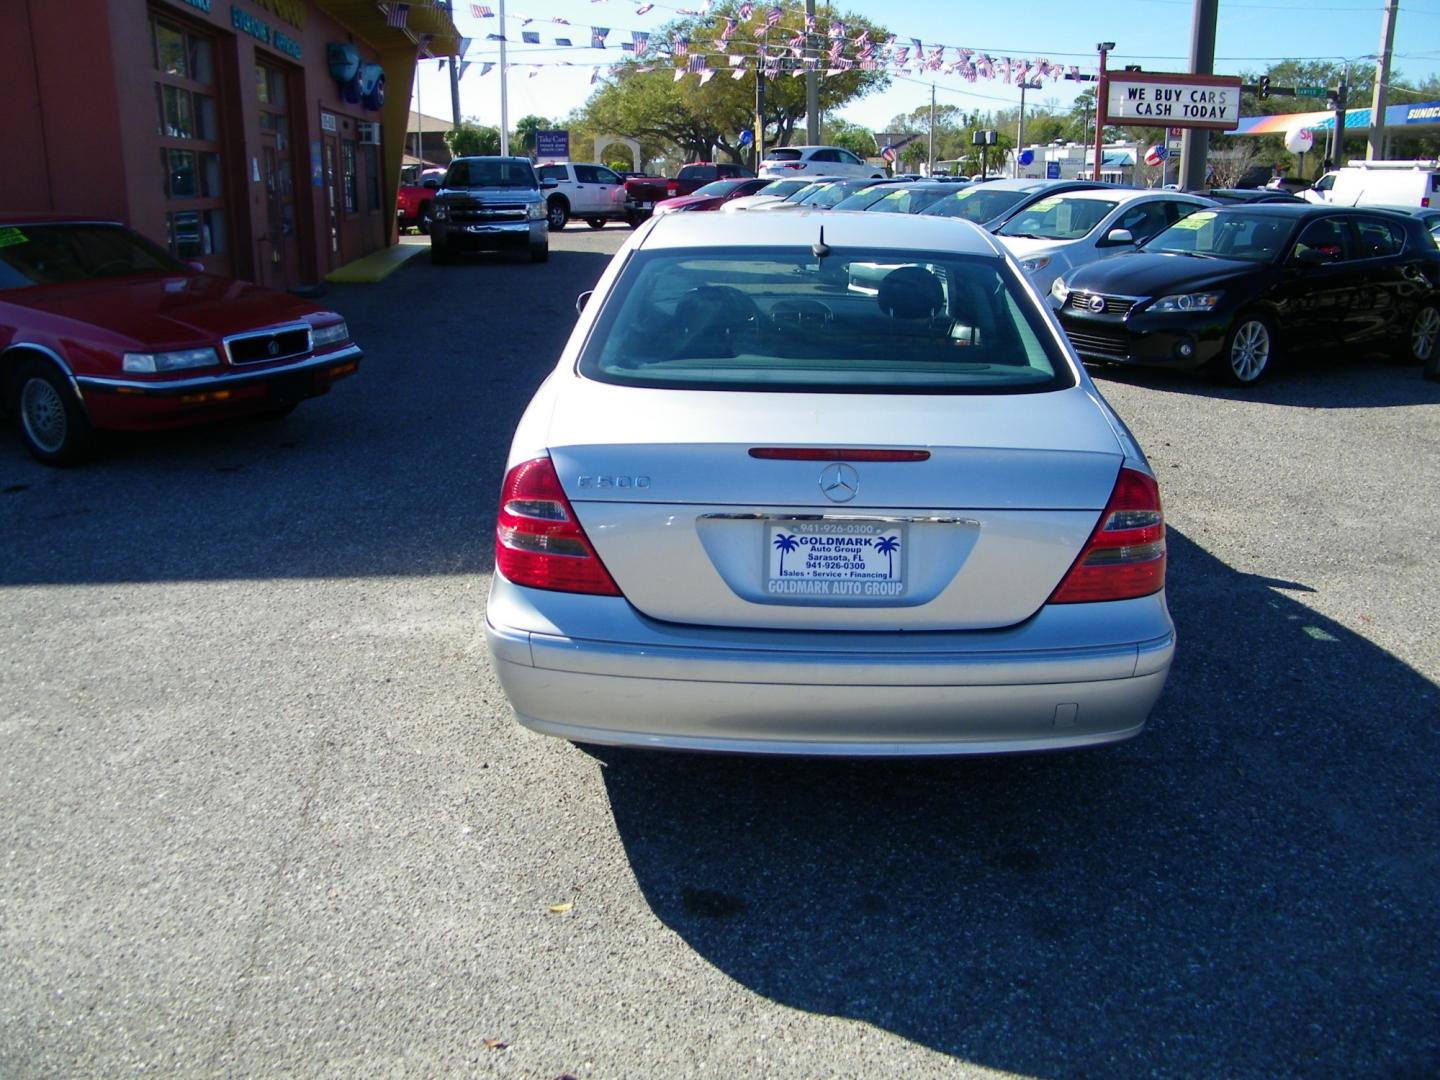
x: 263, y: 809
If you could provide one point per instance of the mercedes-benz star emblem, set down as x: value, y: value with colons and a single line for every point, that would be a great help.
x: 839, y: 482
x: 273, y: 348
x: 1097, y: 303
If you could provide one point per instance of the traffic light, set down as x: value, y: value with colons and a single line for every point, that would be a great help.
x: 1264, y: 91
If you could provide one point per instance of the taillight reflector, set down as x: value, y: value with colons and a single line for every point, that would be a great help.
x: 821, y: 453
x: 1125, y: 555
x: 538, y: 538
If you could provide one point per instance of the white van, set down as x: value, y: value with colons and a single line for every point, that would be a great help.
x: 1387, y: 183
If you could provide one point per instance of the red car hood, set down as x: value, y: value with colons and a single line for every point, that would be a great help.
x: 178, y: 310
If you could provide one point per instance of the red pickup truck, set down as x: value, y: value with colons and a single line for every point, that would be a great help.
x: 412, y: 202
x: 643, y: 192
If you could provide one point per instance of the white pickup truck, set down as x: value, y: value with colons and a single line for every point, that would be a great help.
x: 584, y: 190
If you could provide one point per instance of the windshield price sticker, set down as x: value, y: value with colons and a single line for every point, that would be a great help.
x: 1045, y: 204
x: 1194, y: 221
x: 11, y: 236
x: 834, y: 558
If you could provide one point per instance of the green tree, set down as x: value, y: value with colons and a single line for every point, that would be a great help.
x: 856, y: 138
x: 698, y: 119
x: 525, y: 129
x: 471, y: 138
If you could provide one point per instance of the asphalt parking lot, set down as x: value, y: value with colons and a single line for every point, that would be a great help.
x: 263, y: 809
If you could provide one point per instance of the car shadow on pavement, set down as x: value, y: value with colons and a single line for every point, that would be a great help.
x: 1324, y: 382
x: 1248, y: 888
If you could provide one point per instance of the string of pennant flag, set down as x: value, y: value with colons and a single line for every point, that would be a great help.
x: 775, y: 48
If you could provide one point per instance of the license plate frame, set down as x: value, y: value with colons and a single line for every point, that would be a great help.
x: 837, y: 559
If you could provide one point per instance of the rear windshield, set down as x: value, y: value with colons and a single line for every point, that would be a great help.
x: 856, y: 321
x: 490, y: 172
x: 783, y: 187
x: 829, y: 195
x: 720, y: 187
x: 975, y: 204
x: 696, y: 172
x: 51, y: 254
x: 783, y: 155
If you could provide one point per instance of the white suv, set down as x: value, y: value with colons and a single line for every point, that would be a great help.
x: 786, y: 161
x: 581, y: 189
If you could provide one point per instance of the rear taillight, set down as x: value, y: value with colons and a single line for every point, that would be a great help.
x: 538, y: 539
x: 1125, y: 555
x: 672, y: 188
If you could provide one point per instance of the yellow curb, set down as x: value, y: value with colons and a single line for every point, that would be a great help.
x: 376, y: 266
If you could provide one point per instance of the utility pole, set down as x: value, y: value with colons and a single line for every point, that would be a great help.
x: 1195, y: 142
x: 760, y: 101
x: 1375, y: 148
x: 1102, y: 88
x: 812, y: 79
x: 504, y: 91
x: 930, y: 162
x: 455, y: 90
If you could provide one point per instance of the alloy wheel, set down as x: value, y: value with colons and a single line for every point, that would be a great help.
x: 1250, y: 350
x: 1425, y: 333
x: 42, y: 411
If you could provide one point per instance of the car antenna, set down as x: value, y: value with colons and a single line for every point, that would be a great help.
x: 820, y: 249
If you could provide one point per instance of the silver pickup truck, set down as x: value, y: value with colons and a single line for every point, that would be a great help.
x: 488, y: 204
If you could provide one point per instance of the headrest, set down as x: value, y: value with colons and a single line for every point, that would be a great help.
x: 910, y: 293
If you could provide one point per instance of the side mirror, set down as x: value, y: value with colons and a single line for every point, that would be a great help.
x: 1119, y: 236
x: 548, y: 183
x: 582, y: 300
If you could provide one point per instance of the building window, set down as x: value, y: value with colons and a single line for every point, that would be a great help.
x: 187, y: 123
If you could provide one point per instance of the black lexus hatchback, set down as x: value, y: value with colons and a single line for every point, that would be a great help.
x: 1228, y: 289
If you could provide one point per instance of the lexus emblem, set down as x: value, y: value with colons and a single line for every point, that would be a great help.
x: 1097, y: 303
x: 839, y: 482
x: 274, y: 347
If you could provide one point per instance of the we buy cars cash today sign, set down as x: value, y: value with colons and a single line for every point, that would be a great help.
x: 1152, y: 99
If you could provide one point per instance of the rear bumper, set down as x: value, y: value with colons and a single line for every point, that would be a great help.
x: 1072, y: 676
x: 122, y: 404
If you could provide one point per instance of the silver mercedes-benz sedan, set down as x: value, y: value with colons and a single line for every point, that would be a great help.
x: 826, y: 484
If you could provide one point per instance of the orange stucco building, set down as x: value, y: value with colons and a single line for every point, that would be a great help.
x: 219, y: 128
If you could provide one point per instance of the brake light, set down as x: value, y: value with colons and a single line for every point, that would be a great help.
x: 811, y: 453
x: 672, y: 188
x: 538, y: 538
x: 1125, y: 555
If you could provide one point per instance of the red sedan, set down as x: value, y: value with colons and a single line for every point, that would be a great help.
x: 713, y: 194
x: 100, y: 330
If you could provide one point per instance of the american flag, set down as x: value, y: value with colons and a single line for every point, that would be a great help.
x: 423, y: 45
x: 681, y: 47
x: 809, y: 24
x: 480, y: 11
x: 746, y: 10
x: 396, y: 15
x: 696, y: 64
x: 641, y: 41
x: 565, y: 41
x: 643, y: 8
x: 598, y: 34
x: 902, y: 55
x: 530, y: 37
x: 773, y: 16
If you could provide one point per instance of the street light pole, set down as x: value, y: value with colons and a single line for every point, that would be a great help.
x: 930, y: 162
x: 1025, y: 84
x: 1195, y: 142
x: 812, y: 79
x: 1375, y: 147
x: 1101, y: 89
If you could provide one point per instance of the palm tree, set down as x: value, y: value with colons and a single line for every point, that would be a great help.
x: 887, y: 546
x: 785, y: 543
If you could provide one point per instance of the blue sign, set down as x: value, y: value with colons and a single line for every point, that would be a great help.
x: 553, y: 144
x: 746, y: 136
x: 1027, y: 157
x: 1052, y: 170
x: 1421, y: 114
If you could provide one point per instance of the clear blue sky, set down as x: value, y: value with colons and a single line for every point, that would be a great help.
x: 1155, y: 33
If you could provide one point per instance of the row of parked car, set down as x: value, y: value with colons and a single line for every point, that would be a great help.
x: 1219, y: 280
